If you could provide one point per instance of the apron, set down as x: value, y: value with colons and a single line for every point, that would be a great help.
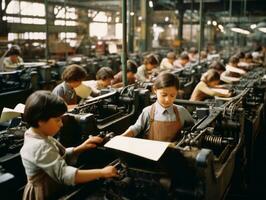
x: 72, y: 101
x: 166, y: 131
x: 41, y: 186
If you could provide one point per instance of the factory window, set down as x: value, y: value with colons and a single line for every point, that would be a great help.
x: 64, y: 22
x: 12, y: 36
x: 13, y: 7
x: 33, y: 36
x: 100, y: 17
x: 98, y: 29
x: 60, y: 13
x: 33, y: 9
x: 118, y: 31
x: 69, y: 35
x: 3, y: 4
x: 12, y: 19
x: 27, y: 20
x: 26, y: 8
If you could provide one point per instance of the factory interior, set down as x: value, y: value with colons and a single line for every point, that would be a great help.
x: 133, y: 99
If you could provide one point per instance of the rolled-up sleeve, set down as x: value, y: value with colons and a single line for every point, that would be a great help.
x: 185, y: 116
x: 49, y: 160
x: 141, y: 124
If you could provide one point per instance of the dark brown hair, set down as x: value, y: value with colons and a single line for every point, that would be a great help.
x: 74, y: 73
x: 150, y: 59
x: 104, y: 73
x: 184, y: 56
x: 132, y: 66
x: 14, y: 50
x: 211, y: 75
x: 217, y: 66
x: 166, y: 79
x: 171, y: 55
x: 234, y: 60
x: 41, y: 106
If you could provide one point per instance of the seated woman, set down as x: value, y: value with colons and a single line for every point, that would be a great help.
x: 233, y: 72
x: 13, y: 60
x: 131, y: 71
x: 205, y: 88
x: 104, y: 76
x: 146, y: 71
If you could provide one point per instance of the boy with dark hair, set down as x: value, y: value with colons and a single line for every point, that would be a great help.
x: 72, y: 77
x: 131, y: 71
x: 104, y: 76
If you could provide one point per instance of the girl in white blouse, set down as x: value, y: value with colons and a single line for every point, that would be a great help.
x: 45, y: 160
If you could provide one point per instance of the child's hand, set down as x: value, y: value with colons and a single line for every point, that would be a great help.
x: 109, y: 171
x: 90, y: 143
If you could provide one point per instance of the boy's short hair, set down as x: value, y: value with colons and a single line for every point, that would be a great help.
x: 132, y: 66
x: 41, y: 106
x: 234, y: 60
x: 248, y: 56
x: 104, y: 73
x: 74, y: 73
x: 211, y: 75
x: 171, y: 55
x: 217, y: 66
x: 14, y: 50
x: 166, y: 79
x: 151, y: 59
x: 184, y: 56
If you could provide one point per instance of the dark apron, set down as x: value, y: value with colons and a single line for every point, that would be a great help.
x: 166, y: 131
x: 41, y: 186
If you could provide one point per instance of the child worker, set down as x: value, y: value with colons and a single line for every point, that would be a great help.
x: 162, y: 120
x: 45, y: 160
x: 205, y: 88
x: 104, y: 77
x: 72, y: 77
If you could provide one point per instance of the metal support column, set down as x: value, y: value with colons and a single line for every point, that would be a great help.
x: 181, y: 22
x: 144, y: 25
x: 124, y: 42
x: 201, y: 34
x: 47, y: 31
x: 131, y: 27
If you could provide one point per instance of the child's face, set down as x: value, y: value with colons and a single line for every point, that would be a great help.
x: 14, y: 58
x: 74, y: 84
x: 166, y: 96
x: 149, y: 66
x: 106, y: 82
x: 50, y: 127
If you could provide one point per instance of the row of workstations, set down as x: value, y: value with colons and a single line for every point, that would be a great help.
x: 200, y: 164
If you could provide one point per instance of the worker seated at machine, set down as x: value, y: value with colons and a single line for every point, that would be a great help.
x: 13, y: 61
x: 104, y: 77
x: 72, y: 78
x: 149, y: 68
x: 206, y: 87
x: 162, y: 120
x: 182, y: 61
x: 131, y: 72
x: 233, y: 72
x: 247, y: 63
x: 167, y: 63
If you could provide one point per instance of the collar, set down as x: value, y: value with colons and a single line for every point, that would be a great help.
x: 31, y: 132
x: 161, y: 109
x: 67, y: 87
